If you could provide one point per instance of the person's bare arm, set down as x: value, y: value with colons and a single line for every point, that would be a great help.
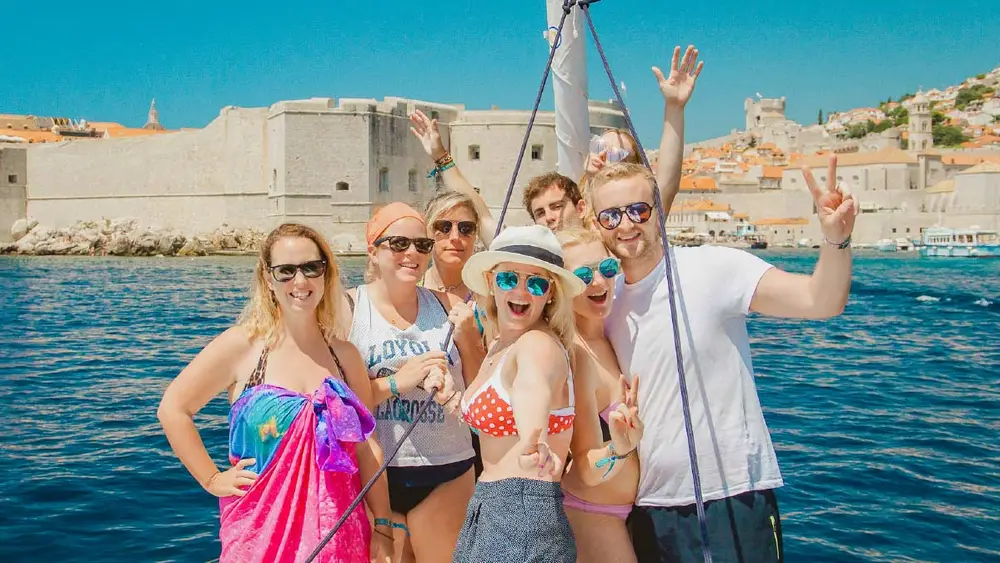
x: 209, y: 373
x: 676, y: 90
x: 426, y: 130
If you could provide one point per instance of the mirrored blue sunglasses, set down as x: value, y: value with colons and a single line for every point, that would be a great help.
x: 507, y: 280
x: 609, y: 268
x: 614, y: 154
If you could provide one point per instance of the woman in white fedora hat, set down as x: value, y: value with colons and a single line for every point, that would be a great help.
x: 521, y: 402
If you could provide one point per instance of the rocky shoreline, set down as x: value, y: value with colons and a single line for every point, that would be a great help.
x: 126, y: 237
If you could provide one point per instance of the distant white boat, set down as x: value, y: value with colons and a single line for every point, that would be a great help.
x: 886, y: 245
x: 960, y: 243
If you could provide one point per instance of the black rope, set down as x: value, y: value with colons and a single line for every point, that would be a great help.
x: 671, y: 291
x: 567, y: 5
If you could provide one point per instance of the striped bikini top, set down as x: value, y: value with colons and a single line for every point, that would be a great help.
x: 489, y: 409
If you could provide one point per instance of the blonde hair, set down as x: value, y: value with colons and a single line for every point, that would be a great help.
x: 558, y: 314
x: 617, y: 171
x: 571, y: 236
x: 445, y: 201
x: 261, y: 316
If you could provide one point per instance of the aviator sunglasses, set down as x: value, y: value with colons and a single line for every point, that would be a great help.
x: 608, y: 268
x: 402, y: 244
x: 507, y: 280
x: 285, y: 272
x: 638, y: 212
x: 465, y: 228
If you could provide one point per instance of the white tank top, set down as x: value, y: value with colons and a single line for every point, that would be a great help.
x: 438, y: 438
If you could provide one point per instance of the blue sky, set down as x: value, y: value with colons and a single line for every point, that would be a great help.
x: 103, y: 61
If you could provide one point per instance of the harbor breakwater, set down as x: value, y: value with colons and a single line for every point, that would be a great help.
x: 125, y: 237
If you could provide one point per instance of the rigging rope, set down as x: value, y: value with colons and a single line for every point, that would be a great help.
x: 584, y: 5
x: 567, y: 5
x: 671, y: 292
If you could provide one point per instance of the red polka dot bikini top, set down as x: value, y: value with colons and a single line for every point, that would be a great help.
x: 489, y: 410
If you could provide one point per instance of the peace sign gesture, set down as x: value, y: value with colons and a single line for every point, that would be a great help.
x: 677, y: 88
x: 836, y: 210
x: 624, y: 422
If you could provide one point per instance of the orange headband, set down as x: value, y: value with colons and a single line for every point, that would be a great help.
x: 388, y: 215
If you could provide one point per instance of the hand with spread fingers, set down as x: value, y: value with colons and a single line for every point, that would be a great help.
x: 229, y: 483
x: 536, y: 455
x: 624, y: 421
x: 678, y: 87
x: 426, y: 131
x: 836, y: 210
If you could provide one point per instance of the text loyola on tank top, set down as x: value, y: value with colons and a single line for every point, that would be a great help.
x: 438, y: 437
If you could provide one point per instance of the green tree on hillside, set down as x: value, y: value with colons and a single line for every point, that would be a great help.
x: 948, y: 136
x: 969, y: 95
x: 980, y: 76
x: 899, y: 115
x: 819, y: 118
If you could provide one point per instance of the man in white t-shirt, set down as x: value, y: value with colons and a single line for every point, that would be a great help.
x: 715, y: 289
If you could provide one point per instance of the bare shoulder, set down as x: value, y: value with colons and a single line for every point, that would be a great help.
x: 584, y: 366
x: 350, y: 359
x: 542, y: 349
x: 233, y: 344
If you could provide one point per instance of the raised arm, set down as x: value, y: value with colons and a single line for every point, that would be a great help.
x: 676, y: 90
x: 542, y: 369
x: 209, y: 373
x: 823, y: 294
x: 426, y: 130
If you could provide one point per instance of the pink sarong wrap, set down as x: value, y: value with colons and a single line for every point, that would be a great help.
x: 309, y: 478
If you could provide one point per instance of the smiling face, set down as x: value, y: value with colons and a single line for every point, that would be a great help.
x: 521, y: 293
x: 595, y: 302
x: 406, y: 265
x: 629, y: 240
x: 454, y: 247
x: 300, y: 257
x: 554, y: 209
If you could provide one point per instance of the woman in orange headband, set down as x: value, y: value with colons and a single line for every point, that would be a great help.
x: 400, y: 329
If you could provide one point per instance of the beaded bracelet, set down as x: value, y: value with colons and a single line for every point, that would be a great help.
x: 442, y: 164
x: 611, y: 459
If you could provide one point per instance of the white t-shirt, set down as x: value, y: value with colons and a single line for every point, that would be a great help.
x: 735, y: 455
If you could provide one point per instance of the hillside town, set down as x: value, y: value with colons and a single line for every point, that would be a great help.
x: 926, y: 160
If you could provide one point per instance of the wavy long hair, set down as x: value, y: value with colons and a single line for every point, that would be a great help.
x: 261, y: 316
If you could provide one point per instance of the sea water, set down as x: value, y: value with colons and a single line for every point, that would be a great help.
x: 885, y: 420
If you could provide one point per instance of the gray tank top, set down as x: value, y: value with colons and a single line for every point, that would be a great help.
x: 438, y: 438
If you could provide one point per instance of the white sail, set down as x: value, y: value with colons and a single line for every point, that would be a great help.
x: 569, y: 86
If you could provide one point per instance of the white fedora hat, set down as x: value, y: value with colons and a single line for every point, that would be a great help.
x: 534, y: 245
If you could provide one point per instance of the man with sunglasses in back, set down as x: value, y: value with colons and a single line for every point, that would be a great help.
x: 556, y: 201
x: 715, y: 289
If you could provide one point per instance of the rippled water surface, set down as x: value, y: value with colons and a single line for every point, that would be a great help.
x: 886, y: 420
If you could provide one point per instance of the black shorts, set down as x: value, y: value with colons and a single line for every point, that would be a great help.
x: 745, y: 528
x: 409, y: 486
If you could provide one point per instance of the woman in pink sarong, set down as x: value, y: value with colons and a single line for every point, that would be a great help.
x: 301, y: 437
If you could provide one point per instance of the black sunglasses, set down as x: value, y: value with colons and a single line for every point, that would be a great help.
x: 424, y: 245
x: 465, y: 228
x: 311, y: 269
x: 638, y: 212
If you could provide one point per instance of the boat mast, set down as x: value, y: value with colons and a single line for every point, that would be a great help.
x: 569, y: 87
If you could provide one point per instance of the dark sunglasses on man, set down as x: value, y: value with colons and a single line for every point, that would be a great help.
x: 423, y: 245
x: 465, y: 228
x: 638, y: 212
x: 285, y: 272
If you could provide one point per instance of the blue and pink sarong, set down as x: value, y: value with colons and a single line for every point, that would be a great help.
x: 307, y: 475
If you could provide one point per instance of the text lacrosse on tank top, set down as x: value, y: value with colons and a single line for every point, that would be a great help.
x: 438, y: 438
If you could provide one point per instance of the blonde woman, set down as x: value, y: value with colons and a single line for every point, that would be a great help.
x: 597, y: 514
x: 522, y: 404
x: 400, y: 329
x: 301, y: 437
